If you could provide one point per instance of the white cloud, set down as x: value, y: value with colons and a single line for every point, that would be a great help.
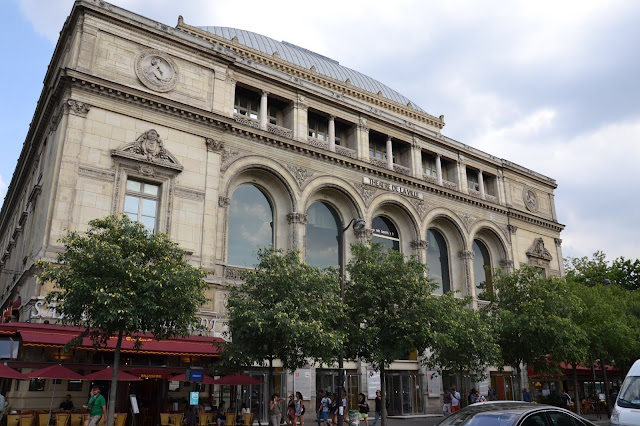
x: 3, y: 187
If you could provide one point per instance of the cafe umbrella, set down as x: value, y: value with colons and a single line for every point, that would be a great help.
x: 107, y: 374
x: 10, y: 373
x: 57, y: 371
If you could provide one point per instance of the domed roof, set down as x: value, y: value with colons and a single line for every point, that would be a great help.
x: 306, y: 58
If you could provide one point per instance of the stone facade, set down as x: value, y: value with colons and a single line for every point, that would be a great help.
x: 126, y: 97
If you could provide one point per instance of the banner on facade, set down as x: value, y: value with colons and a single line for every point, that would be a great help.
x: 373, y: 383
x: 302, y: 382
x: 434, y: 383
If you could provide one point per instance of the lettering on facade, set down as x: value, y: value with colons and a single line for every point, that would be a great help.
x: 48, y: 310
x: 393, y: 188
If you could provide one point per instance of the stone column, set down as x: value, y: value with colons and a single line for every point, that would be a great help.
x: 481, y: 184
x: 362, y: 137
x: 332, y: 133
x: 466, y: 256
x: 416, y: 159
x: 420, y: 246
x: 462, y: 176
x: 552, y: 203
x: 501, y: 188
x: 298, y: 222
x: 263, y: 110
x: 439, y: 169
x: 389, y: 153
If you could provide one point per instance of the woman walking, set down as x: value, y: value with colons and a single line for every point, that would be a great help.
x: 363, y: 409
x: 299, y: 410
x: 274, y: 410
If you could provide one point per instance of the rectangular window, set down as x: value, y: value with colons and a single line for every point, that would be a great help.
x: 247, y: 105
x: 472, y: 181
x: 36, y: 385
x: 378, y: 150
x: 74, y: 385
x: 318, y: 129
x: 429, y: 166
x: 141, y: 203
x: 272, y: 112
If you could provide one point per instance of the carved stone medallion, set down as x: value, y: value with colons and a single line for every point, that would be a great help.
x: 156, y: 70
x: 530, y: 199
x: 300, y: 174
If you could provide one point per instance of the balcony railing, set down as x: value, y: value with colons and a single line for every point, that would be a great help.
x: 429, y: 178
x: 450, y: 185
x: 491, y: 198
x: 347, y: 152
x: 402, y: 169
x: 318, y: 143
x: 243, y: 119
x: 280, y: 131
x: 378, y: 162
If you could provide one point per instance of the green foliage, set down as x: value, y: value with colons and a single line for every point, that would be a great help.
x: 626, y: 273
x: 536, y: 319
x: 283, y: 310
x: 118, y: 276
x: 465, y: 339
x: 389, y: 305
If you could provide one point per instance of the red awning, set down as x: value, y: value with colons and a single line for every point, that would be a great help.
x: 50, y: 335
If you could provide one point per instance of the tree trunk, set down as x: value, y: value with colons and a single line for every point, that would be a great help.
x: 606, y: 385
x: 111, y: 411
x: 462, y: 399
x: 576, y: 397
x: 383, y: 396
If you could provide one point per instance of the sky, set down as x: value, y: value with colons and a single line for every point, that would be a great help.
x: 551, y: 85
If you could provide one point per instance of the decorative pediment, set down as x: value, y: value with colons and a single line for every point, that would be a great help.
x: 537, y: 250
x: 148, y: 148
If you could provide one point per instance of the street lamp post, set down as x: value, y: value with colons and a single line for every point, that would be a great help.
x: 358, y: 224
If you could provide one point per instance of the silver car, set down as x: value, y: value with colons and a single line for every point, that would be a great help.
x: 513, y: 413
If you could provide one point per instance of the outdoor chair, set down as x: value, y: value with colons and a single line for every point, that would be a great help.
x: 231, y: 419
x: 13, y: 419
x: 248, y: 419
x: 165, y: 419
x: 121, y: 419
x: 211, y: 418
x: 176, y: 419
x: 63, y: 419
x: 76, y: 419
x: 27, y: 419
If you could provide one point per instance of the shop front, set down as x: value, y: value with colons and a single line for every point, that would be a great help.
x: 29, y: 346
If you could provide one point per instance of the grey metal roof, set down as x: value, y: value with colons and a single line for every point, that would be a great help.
x: 306, y: 58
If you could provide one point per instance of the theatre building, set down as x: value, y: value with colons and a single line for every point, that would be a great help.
x: 228, y: 140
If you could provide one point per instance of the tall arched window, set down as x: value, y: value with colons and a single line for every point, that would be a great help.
x: 481, y: 267
x: 385, y: 232
x: 322, y: 235
x: 438, y: 260
x: 250, y: 225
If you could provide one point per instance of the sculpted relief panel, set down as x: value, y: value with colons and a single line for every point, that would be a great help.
x: 128, y: 63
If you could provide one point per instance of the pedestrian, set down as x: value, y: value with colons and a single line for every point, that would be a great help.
x: 446, y: 403
x: 274, y: 410
x: 97, y: 407
x: 566, y: 400
x: 335, y: 405
x: 291, y: 410
x: 479, y: 398
x: 190, y: 415
x: 455, y: 400
x: 378, y: 407
x: 471, y: 397
x: 492, y: 395
x: 299, y: 410
x: 345, y: 417
x: 325, y: 410
x: 526, y: 396
x: 3, y: 406
x: 363, y: 409
x: 319, y: 397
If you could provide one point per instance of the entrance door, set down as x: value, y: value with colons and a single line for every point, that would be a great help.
x: 404, y: 393
x: 257, y: 397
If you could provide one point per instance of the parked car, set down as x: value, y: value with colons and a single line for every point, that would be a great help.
x: 627, y: 408
x: 513, y: 413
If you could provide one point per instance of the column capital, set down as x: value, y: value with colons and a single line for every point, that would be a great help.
x: 297, y: 217
x: 419, y: 244
x: 224, y: 201
x: 264, y: 93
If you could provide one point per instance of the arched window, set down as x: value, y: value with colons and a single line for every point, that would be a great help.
x: 250, y: 225
x: 385, y: 232
x: 481, y: 267
x: 322, y: 235
x: 438, y: 260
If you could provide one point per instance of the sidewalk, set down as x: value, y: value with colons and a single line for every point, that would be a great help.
x: 593, y: 418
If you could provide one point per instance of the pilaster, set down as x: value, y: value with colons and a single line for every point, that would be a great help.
x: 416, y: 159
x: 362, y: 137
x: 298, y: 222
x: 481, y: 184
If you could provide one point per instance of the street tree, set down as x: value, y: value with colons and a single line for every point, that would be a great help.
x: 284, y: 309
x: 389, y: 308
x: 464, y: 338
x: 118, y: 279
x: 535, y: 315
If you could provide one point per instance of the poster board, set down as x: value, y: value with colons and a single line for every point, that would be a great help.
x: 302, y: 382
x: 373, y: 383
x: 134, y: 404
x: 434, y: 383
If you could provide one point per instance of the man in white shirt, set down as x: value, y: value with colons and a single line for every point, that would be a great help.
x: 455, y: 400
